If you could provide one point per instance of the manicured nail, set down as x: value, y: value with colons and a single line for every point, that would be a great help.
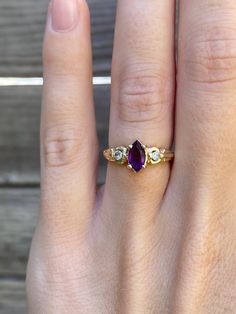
x: 64, y: 15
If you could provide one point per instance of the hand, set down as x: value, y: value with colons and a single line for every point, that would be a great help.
x: 163, y: 240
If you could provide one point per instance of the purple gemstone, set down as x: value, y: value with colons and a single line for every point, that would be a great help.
x: 137, y: 156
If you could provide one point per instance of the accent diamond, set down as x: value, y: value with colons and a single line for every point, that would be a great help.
x: 155, y: 155
x: 118, y: 155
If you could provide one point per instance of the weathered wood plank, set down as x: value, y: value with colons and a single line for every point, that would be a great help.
x: 18, y: 212
x: 19, y: 132
x: 12, y: 297
x: 21, y: 33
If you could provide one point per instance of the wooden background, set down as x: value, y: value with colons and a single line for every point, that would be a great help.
x: 21, y: 33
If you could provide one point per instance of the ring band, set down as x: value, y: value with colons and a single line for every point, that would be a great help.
x: 137, y: 155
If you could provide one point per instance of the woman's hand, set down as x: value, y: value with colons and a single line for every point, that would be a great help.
x: 163, y: 240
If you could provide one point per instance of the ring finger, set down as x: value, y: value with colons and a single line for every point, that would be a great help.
x: 142, y: 97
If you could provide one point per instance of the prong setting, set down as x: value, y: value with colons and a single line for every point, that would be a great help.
x: 119, y: 154
x: 154, y: 155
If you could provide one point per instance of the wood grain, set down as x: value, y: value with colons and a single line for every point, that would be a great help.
x: 21, y: 33
x: 12, y: 297
x: 18, y: 212
x: 19, y: 133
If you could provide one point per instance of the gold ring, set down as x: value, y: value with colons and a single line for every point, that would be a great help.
x: 137, y: 155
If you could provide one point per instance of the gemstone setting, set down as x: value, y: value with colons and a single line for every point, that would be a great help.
x: 137, y: 156
x: 154, y: 155
x: 118, y: 155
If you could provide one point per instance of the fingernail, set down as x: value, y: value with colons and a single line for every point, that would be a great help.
x: 64, y: 15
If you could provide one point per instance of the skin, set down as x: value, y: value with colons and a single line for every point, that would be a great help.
x: 164, y: 240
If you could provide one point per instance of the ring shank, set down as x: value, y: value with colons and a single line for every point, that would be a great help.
x: 168, y: 155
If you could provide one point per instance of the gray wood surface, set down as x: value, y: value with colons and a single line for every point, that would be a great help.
x: 21, y: 32
x: 19, y: 132
x: 18, y: 212
x: 12, y: 297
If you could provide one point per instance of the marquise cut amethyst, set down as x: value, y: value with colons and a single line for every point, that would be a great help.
x: 137, y: 156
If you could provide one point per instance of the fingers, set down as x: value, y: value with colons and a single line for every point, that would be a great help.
x: 204, y: 173
x: 142, y: 93
x: 206, y: 128
x: 68, y: 136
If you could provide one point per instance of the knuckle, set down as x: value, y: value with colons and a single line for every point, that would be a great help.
x: 211, y: 58
x: 61, y: 145
x: 143, y: 98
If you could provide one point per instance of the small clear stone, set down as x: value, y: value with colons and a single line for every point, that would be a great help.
x: 118, y: 155
x: 155, y: 155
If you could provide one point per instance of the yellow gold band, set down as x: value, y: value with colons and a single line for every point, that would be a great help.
x: 137, y: 155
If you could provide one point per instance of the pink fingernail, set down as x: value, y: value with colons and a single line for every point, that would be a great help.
x: 64, y: 15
